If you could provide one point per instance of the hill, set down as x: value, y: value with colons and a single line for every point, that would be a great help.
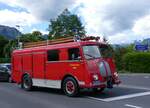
x: 9, y: 32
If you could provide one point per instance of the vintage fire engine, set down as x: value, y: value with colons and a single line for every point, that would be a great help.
x: 65, y: 64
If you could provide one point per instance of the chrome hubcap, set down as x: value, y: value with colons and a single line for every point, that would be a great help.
x: 70, y: 88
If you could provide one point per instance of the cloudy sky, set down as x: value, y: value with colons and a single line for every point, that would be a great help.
x: 121, y: 21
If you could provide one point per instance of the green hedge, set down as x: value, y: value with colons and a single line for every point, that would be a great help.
x: 5, y: 60
x: 138, y: 62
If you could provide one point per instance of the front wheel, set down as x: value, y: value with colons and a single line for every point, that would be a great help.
x: 27, y: 83
x: 70, y: 87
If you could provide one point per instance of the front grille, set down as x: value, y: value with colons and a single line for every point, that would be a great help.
x: 108, y: 68
x: 104, y: 68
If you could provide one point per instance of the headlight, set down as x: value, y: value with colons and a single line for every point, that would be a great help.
x: 116, y: 74
x: 95, y: 77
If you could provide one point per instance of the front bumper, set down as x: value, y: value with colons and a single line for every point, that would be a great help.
x: 94, y: 84
x: 109, y: 82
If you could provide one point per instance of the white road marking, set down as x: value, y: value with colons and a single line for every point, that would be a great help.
x: 146, y: 77
x: 132, y: 106
x: 133, y: 87
x: 99, y: 99
x: 121, y: 97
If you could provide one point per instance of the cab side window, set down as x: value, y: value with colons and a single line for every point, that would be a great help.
x: 53, y: 55
x: 74, y: 54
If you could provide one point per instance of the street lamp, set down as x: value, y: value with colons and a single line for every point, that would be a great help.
x: 18, y: 38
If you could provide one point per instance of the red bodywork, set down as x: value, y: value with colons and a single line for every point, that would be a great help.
x: 33, y: 61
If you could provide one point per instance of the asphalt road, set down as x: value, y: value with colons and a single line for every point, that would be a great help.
x: 134, y: 92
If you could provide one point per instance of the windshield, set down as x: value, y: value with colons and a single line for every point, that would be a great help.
x: 106, y: 51
x: 94, y: 51
x: 91, y: 52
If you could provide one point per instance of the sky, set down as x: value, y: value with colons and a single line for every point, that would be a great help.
x: 120, y: 21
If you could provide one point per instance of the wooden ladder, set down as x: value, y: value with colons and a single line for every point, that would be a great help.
x: 48, y: 42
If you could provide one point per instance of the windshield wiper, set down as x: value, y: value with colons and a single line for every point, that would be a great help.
x: 90, y: 56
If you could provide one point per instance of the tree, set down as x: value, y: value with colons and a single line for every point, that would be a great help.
x: 66, y: 25
x: 9, y: 47
x: 35, y: 36
x: 105, y: 40
x: 37, y: 33
x: 3, y: 42
x: 120, y: 52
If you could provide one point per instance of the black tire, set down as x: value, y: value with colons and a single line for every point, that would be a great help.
x: 73, y: 84
x: 27, y: 83
x: 98, y: 90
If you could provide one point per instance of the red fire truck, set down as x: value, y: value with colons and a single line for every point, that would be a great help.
x: 65, y: 65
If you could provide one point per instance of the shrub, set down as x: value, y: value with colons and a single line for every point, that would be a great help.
x: 138, y: 62
x: 5, y: 60
x: 119, y: 52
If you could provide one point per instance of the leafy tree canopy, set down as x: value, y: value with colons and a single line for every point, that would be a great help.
x: 3, y: 42
x: 32, y: 37
x: 66, y: 25
x: 9, y: 47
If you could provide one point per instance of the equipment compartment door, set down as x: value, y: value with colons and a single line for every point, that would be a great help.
x: 39, y: 65
x: 17, y: 68
x: 27, y: 64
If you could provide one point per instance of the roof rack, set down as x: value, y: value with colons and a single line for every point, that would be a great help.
x: 59, y: 41
x: 89, y: 38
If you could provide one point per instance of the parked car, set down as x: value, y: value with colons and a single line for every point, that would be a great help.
x: 5, y: 72
x: 6, y: 65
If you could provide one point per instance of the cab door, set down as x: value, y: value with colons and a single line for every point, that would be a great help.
x: 75, y: 65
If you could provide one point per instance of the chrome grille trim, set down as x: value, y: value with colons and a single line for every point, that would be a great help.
x: 104, y: 68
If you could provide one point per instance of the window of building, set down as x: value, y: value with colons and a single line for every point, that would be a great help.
x: 53, y: 55
x: 74, y: 54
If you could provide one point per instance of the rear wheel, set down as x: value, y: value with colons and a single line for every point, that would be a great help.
x: 70, y: 87
x: 27, y: 83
